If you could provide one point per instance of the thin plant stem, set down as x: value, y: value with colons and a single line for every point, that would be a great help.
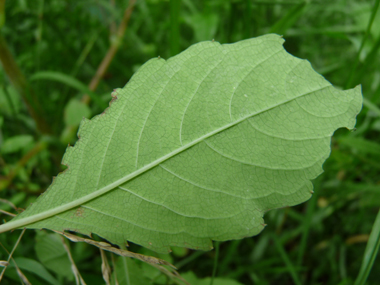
x: 189, y: 259
x: 30, y: 154
x: 13, y: 250
x: 19, y: 82
x: 126, y: 269
x: 306, y: 224
x: 74, y: 269
x: 19, y: 272
x: 216, y: 258
x: 286, y: 260
x: 9, y: 203
x: 7, y: 213
x: 174, y: 26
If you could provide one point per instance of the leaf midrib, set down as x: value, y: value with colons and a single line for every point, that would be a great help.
x: 54, y: 211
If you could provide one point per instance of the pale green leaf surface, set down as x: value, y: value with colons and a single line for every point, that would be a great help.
x: 197, y: 148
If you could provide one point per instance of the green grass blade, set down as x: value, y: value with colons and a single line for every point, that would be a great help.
x: 367, y: 103
x: 85, y: 52
x: 360, y: 144
x: 287, y: 261
x: 369, y: 60
x: 290, y: 18
x: 370, y: 252
x: 353, y: 69
x: 189, y: 259
x: 306, y: 224
x: 230, y: 255
x: 70, y: 81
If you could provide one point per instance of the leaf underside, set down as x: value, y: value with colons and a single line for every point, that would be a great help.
x: 197, y: 148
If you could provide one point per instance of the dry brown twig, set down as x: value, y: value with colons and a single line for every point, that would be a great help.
x: 109, y: 247
x: 74, y: 269
x: 106, y: 269
x: 9, y: 203
x: 115, y: 44
x: 170, y: 271
x: 8, y: 213
x: 6, y: 263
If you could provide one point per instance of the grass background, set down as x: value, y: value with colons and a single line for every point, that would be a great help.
x: 51, y: 76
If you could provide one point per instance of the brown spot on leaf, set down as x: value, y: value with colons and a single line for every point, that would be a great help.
x: 79, y: 212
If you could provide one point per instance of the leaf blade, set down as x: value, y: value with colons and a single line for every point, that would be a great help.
x: 237, y: 128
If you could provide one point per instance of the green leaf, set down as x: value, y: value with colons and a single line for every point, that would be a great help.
x: 16, y: 143
x: 197, y: 148
x: 75, y: 111
x: 35, y: 268
x: 51, y: 253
